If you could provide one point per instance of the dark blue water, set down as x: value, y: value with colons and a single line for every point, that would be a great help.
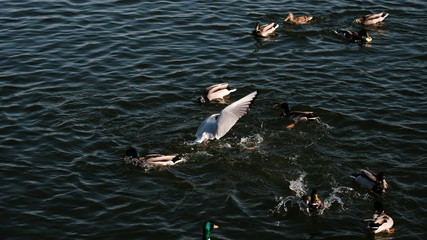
x: 81, y: 81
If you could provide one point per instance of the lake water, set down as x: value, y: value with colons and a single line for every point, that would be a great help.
x: 81, y: 81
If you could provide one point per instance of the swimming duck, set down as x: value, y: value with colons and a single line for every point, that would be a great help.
x: 313, y: 201
x: 297, y: 116
x: 267, y: 30
x: 132, y: 157
x: 362, y: 36
x: 371, y: 19
x: 380, y: 222
x: 216, y: 92
x: 297, y: 20
x: 207, y: 229
x: 217, y: 125
x: 374, y: 182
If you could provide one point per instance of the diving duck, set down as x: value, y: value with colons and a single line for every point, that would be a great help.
x: 132, y: 157
x: 268, y: 30
x: 216, y: 92
x: 374, y: 182
x: 371, y: 19
x: 380, y: 222
x: 207, y: 229
x: 297, y: 116
x: 312, y: 202
x: 217, y: 125
x: 362, y: 36
x: 297, y: 20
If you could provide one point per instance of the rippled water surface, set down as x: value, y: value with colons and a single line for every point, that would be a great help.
x: 81, y: 81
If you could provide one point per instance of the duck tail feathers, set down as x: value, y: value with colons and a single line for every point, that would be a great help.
x: 384, y: 15
x: 232, y: 90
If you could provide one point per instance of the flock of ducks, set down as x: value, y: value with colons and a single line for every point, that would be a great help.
x: 269, y: 30
x: 217, y: 125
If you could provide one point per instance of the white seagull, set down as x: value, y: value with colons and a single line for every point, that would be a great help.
x: 217, y: 125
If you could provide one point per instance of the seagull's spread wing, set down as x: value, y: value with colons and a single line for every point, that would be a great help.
x: 229, y: 115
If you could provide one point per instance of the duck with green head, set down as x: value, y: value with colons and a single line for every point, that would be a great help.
x: 355, y: 37
x: 312, y: 202
x: 216, y: 93
x: 208, y: 226
x: 132, y: 157
x: 380, y: 221
x: 265, y: 31
x: 296, y: 116
x: 374, y: 182
x: 371, y: 19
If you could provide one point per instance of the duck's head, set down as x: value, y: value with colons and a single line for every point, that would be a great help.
x: 314, y: 196
x: 365, y: 36
x: 207, y: 229
x: 257, y: 26
x: 131, y: 152
x: 257, y: 30
x: 202, y: 99
x: 382, y: 182
x: 358, y: 20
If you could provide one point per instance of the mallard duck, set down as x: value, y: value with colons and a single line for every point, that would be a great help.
x: 132, y: 157
x: 208, y: 226
x: 313, y: 201
x: 380, y: 222
x: 297, y: 116
x: 217, y: 125
x: 267, y: 30
x: 362, y: 36
x: 216, y: 92
x: 297, y: 20
x: 371, y: 19
x: 374, y: 182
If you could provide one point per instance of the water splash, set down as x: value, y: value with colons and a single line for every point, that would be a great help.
x: 339, y: 198
x: 340, y: 195
x: 252, y: 141
x: 299, y: 186
x: 282, y: 206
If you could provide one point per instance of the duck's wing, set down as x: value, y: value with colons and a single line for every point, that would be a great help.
x: 217, y: 87
x: 344, y: 33
x: 153, y: 155
x: 207, y: 128
x: 232, y: 113
x: 374, y: 16
x: 302, y: 113
x: 270, y: 28
x: 303, y: 19
x: 153, y: 158
x: 368, y: 174
x: 220, y: 94
x: 163, y: 160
